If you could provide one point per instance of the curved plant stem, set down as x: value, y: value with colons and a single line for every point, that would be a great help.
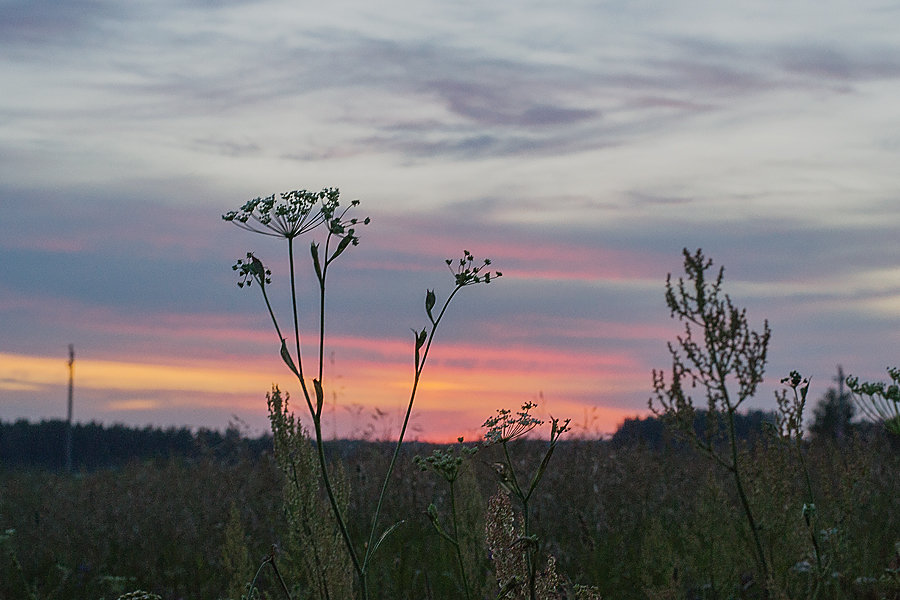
x: 396, y: 453
x: 297, y: 325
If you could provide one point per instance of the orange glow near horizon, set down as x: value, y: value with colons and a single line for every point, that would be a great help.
x: 461, y: 387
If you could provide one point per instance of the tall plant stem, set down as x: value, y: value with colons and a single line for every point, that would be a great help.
x: 297, y: 325
x: 456, y: 544
x: 745, y: 503
x: 735, y: 468
x: 412, y: 396
x: 332, y: 500
x: 316, y: 416
x: 523, y: 497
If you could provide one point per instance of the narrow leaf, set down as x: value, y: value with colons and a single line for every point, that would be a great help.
x: 345, y: 241
x: 384, y: 535
x: 429, y: 304
x: 421, y: 336
x: 320, y: 395
x: 286, y: 357
x: 314, y: 249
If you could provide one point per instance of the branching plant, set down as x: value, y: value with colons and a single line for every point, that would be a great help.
x: 289, y: 216
x: 502, y: 429
x: 449, y: 464
x: 789, y: 429
x: 719, y: 353
x: 879, y: 401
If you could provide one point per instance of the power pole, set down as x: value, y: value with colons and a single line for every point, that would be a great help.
x: 840, y: 381
x: 69, y: 416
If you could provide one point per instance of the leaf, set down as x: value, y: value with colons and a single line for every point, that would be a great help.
x: 286, y: 357
x: 320, y: 395
x: 421, y: 336
x: 314, y: 249
x: 384, y: 535
x: 429, y: 304
x: 345, y: 241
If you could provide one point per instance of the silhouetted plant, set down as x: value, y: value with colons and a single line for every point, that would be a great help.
x: 314, y: 543
x: 502, y: 429
x: 719, y: 353
x: 449, y: 464
x: 879, y: 401
x: 296, y: 213
x: 789, y: 429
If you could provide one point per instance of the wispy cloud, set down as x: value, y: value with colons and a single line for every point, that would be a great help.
x: 579, y: 145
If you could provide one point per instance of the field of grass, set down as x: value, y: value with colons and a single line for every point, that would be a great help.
x: 633, y: 521
x: 713, y: 513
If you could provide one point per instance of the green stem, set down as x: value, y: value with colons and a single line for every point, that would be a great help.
x: 332, y: 499
x: 808, y: 518
x: 530, y: 562
x: 745, y: 503
x: 297, y: 325
x: 721, y: 370
x: 315, y: 412
x: 412, y: 397
x: 456, y: 544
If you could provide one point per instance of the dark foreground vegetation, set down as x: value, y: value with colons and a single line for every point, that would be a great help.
x: 637, y: 516
x: 703, y: 501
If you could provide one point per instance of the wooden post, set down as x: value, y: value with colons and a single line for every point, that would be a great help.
x: 69, y: 415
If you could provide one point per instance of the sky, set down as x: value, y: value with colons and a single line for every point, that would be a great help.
x: 578, y: 145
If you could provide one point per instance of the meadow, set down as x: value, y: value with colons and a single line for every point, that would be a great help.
x: 710, y: 507
x: 635, y: 521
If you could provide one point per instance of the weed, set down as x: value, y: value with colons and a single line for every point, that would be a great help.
x: 514, y: 547
x: 288, y: 217
x: 447, y: 464
x: 720, y: 353
x: 879, y: 401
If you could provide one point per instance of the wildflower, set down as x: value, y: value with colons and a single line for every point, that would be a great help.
x: 789, y: 418
x: 879, y: 401
x: 504, y: 427
x: 502, y: 532
x: 293, y: 214
x: 251, y: 269
x: 468, y: 274
x: 446, y: 463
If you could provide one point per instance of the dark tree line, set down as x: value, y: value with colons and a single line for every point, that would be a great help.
x: 831, y: 419
x: 94, y: 446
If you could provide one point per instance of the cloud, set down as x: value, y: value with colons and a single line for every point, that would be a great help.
x: 580, y: 146
x: 42, y: 23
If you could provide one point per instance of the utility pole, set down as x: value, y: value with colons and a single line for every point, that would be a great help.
x: 840, y: 381
x: 69, y: 416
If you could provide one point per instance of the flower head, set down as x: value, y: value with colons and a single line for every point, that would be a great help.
x: 504, y: 426
x: 466, y: 273
x: 288, y: 216
x: 789, y: 418
x: 446, y: 463
x: 251, y: 269
x: 879, y: 401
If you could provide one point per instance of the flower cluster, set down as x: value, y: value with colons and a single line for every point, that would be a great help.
x: 446, y: 463
x: 294, y: 213
x: 251, y: 269
x: 466, y: 273
x: 879, y: 401
x: 504, y: 426
x: 789, y: 418
x: 339, y: 226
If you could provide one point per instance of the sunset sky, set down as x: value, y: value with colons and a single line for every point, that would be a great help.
x: 579, y: 145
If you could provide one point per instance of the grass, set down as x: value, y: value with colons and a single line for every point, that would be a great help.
x: 770, y: 518
x: 636, y: 522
